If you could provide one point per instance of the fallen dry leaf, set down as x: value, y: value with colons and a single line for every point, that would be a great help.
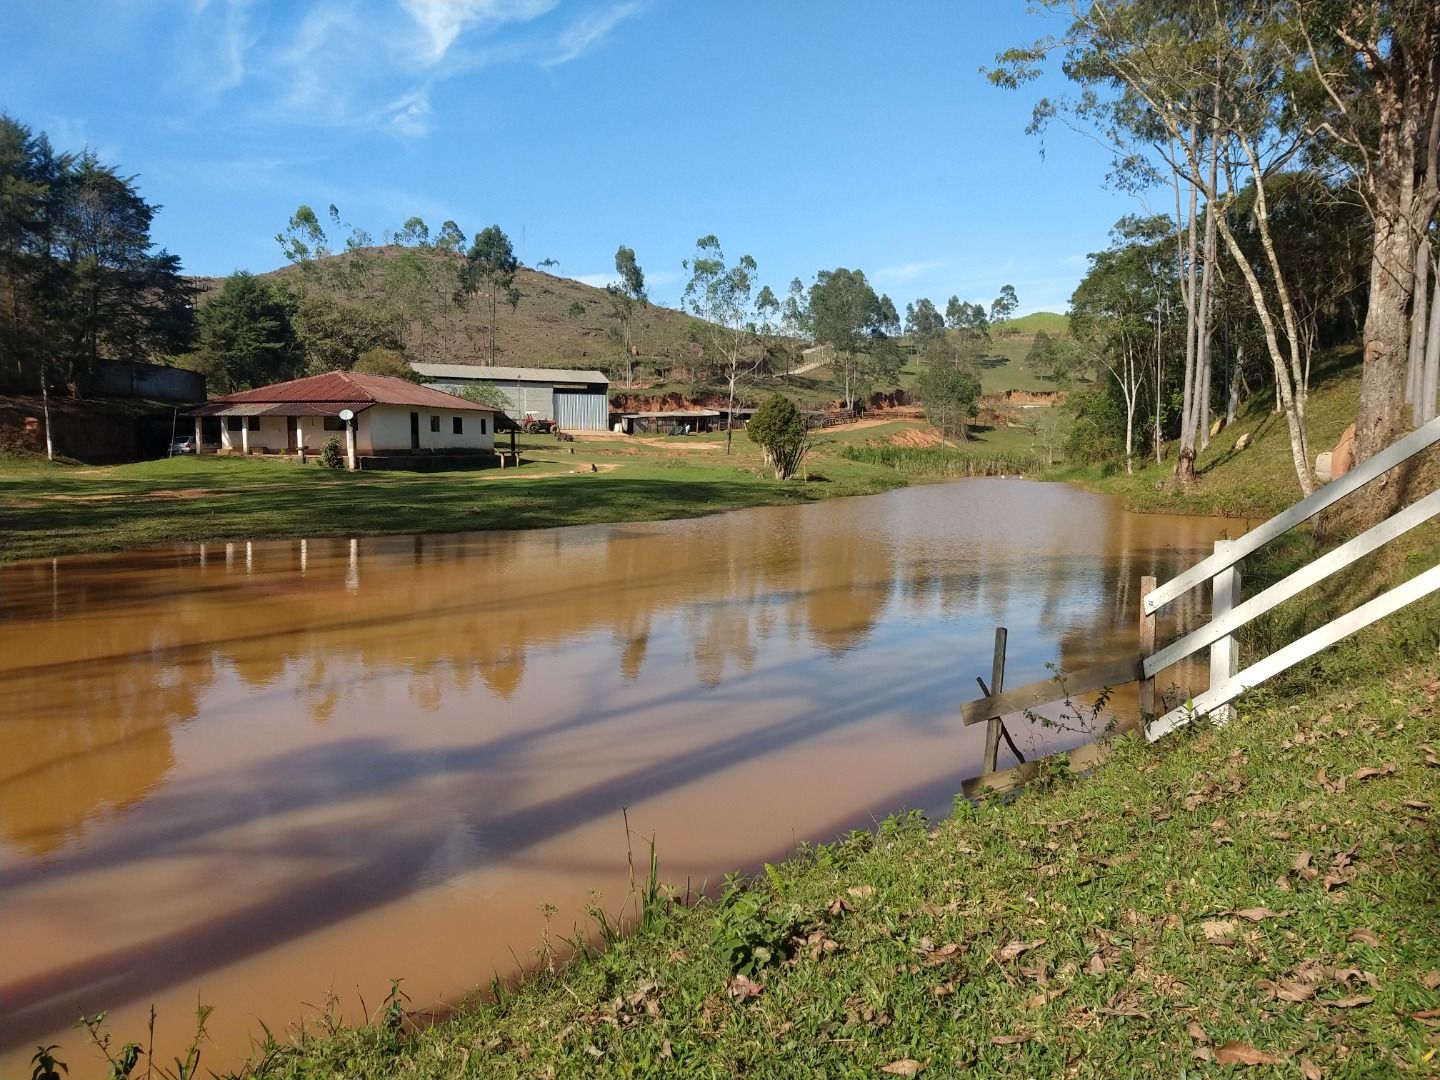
x: 1095, y: 965
x: 1335, y: 786
x: 1365, y: 937
x: 1011, y: 1040
x: 1431, y: 979
x: 1219, y: 931
x: 1309, y: 1070
x: 1256, y: 914
x: 1353, y: 1002
x: 1238, y: 1053
x: 861, y: 892
x: 743, y: 989
x: 1387, y: 769
x: 1198, y: 1033
x: 1043, y: 998
x: 1017, y: 948
x: 903, y: 1067
x: 1290, y: 990
x: 945, y: 989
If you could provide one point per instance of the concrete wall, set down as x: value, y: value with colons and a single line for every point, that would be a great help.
x: 386, y: 429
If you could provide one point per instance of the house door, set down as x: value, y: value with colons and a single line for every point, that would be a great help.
x: 414, y: 431
x: 292, y: 427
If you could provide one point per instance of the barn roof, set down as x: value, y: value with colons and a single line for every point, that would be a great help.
x: 508, y: 374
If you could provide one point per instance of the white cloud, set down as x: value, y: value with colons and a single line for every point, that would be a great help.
x: 907, y: 271
x: 586, y: 32
x: 441, y: 22
x: 409, y: 115
x: 597, y: 281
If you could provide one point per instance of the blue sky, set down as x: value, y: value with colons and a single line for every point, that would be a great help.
x: 808, y: 133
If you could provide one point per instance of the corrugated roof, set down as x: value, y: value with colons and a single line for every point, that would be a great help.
x: 220, y: 407
x: 507, y: 374
x: 344, y: 388
x: 669, y: 412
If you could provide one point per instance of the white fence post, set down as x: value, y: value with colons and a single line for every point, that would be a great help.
x: 1224, y: 653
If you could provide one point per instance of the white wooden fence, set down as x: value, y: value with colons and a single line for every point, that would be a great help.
x: 1229, y: 614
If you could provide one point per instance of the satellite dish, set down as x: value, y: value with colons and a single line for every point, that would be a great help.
x: 347, y: 414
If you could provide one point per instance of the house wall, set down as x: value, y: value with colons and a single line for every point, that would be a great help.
x: 386, y: 429
x: 271, y: 435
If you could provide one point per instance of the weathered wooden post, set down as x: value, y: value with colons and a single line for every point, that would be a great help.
x: 1147, y: 649
x: 997, y: 686
x: 1224, y: 653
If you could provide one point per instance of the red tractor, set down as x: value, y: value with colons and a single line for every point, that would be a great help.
x: 533, y: 424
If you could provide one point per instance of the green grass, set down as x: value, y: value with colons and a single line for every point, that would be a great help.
x: 1219, y: 894
x: 52, y: 509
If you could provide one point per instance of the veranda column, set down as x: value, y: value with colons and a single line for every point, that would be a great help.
x: 245, y: 436
x: 198, y: 443
x: 350, y: 444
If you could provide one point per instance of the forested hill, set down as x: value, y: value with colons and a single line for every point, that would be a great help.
x: 557, y: 321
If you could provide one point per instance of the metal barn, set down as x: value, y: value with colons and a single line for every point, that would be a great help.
x: 576, y: 400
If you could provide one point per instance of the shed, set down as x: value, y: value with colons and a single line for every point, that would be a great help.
x: 576, y: 400
x: 662, y: 421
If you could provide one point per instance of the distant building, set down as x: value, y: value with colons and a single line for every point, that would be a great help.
x: 576, y: 400
x: 388, y: 416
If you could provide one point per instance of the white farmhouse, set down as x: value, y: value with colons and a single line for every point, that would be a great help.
x: 373, y: 416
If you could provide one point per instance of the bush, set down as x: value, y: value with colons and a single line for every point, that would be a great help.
x: 778, y: 428
x: 333, y: 456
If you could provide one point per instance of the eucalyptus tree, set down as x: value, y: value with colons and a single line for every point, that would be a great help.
x: 720, y: 296
x: 1003, y: 307
x: 625, y: 295
x: 845, y: 314
x: 1198, y: 94
x: 488, y: 273
x: 1113, y: 317
x: 1366, y: 76
x: 923, y: 320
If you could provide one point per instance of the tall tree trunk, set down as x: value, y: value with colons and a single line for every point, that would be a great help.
x: 1427, y: 405
x: 1419, y: 323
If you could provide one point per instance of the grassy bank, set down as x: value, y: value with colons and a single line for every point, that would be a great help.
x: 50, y: 509
x: 1257, y: 895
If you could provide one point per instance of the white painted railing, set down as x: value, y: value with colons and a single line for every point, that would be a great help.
x: 1227, y: 615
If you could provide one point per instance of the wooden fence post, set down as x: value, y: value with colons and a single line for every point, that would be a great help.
x: 1224, y: 653
x: 997, y: 686
x: 1147, y: 649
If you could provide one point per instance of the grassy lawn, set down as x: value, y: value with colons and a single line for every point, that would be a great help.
x: 54, y: 509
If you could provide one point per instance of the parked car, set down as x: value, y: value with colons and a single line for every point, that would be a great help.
x: 182, y: 444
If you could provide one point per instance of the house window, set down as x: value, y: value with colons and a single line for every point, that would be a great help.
x: 435, y: 424
x: 457, y: 426
x: 334, y: 423
x: 254, y: 423
x: 482, y: 425
x: 234, y: 423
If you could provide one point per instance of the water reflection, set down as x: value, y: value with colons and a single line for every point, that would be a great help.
x: 228, y: 766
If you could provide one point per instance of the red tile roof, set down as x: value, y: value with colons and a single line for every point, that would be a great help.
x: 350, y: 388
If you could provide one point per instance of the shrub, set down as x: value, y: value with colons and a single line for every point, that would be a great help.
x: 332, y: 456
x: 778, y: 428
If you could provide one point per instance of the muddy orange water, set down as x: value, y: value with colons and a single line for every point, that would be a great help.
x: 250, y: 774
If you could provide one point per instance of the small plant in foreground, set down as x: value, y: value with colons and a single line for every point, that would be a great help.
x: 750, y: 933
x: 45, y: 1065
x: 392, y: 1011
x: 332, y: 457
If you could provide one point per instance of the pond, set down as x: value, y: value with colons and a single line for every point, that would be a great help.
x: 255, y: 774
